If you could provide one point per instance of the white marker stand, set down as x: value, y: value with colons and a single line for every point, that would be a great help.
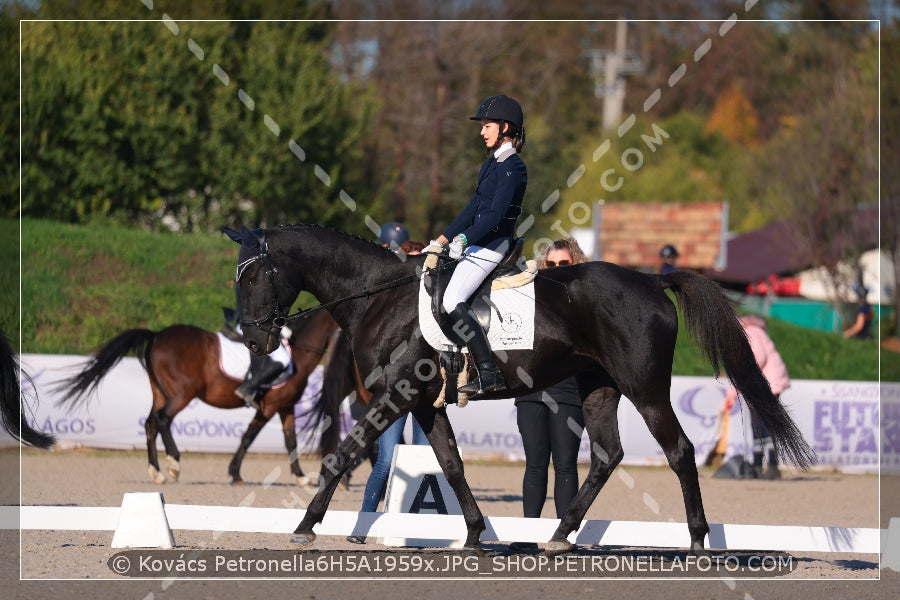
x: 890, y: 545
x: 416, y: 483
x: 142, y: 522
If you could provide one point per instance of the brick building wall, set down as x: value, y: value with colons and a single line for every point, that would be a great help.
x: 631, y: 234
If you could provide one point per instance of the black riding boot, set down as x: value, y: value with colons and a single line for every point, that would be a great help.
x: 230, y: 326
x: 772, y: 471
x: 757, y: 463
x: 490, y: 379
x: 263, y: 371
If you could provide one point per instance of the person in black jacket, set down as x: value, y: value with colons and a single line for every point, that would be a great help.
x: 551, y: 422
x: 482, y: 234
x: 668, y: 256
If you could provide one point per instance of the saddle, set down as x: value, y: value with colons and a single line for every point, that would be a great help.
x: 437, y: 279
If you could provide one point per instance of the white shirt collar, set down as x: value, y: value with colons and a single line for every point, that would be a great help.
x: 503, y: 148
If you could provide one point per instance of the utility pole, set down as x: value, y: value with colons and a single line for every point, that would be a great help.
x: 614, y: 87
x: 610, y: 68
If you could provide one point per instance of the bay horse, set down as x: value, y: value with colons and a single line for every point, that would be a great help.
x: 12, y: 400
x: 182, y: 363
x: 612, y: 328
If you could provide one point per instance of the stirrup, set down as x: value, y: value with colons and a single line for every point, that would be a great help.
x: 248, y: 396
x: 488, y: 381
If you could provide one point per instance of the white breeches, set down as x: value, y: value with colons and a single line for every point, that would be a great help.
x: 474, y: 267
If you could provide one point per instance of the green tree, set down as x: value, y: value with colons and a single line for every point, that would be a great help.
x: 130, y: 122
x: 10, y: 13
x: 107, y: 119
x: 285, y: 157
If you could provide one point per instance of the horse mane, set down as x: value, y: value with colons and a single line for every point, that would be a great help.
x: 350, y: 236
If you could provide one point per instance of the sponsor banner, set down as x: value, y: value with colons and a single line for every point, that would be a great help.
x: 841, y: 420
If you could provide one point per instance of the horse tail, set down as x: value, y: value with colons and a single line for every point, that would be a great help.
x: 131, y: 341
x: 12, y: 400
x: 712, y: 322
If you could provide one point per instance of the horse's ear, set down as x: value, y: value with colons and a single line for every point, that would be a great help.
x: 255, y: 238
x: 234, y: 235
x: 259, y: 235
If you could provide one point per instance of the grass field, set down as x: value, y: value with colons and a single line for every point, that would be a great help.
x: 81, y: 286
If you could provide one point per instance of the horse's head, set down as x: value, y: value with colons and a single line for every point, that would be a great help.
x: 265, y: 295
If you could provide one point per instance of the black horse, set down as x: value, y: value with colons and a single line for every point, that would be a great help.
x: 12, y: 401
x: 340, y: 379
x: 611, y: 327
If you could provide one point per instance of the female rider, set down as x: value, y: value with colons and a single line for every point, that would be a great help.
x: 483, y: 232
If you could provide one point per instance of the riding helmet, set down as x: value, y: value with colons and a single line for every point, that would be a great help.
x: 500, y: 108
x: 668, y: 251
x: 393, y: 233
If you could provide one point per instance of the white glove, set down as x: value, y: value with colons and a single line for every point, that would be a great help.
x: 456, y: 248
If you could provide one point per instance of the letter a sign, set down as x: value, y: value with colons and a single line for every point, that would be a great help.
x: 429, y: 487
x: 417, y: 484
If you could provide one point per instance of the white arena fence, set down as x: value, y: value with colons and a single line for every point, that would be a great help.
x: 839, y: 419
x: 144, y: 520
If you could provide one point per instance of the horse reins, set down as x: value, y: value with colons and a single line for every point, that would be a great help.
x: 279, y: 320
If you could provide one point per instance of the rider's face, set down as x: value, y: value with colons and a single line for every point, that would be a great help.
x: 490, y: 131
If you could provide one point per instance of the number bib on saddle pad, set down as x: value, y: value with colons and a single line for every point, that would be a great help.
x: 512, y: 319
x: 234, y: 359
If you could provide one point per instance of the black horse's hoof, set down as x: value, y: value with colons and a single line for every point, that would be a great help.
x: 556, y: 547
x: 476, y: 550
x: 697, y: 549
x: 303, y: 539
x: 237, y: 481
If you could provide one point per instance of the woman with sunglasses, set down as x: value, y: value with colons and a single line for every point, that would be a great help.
x: 551, y: 422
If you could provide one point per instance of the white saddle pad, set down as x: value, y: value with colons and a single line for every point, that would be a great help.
x: 234, y: 358
x: 515, y: 331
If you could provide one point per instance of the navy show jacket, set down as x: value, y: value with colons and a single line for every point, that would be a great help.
x: 490, y: 217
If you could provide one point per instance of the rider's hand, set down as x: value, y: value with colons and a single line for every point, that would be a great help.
x: 456, y: 248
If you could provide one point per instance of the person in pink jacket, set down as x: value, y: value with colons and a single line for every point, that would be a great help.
x: 773, y: 367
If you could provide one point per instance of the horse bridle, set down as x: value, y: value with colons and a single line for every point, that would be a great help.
x: 279, y: 320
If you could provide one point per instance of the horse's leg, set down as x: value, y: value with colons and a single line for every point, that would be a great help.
x: 357, y: 409
x: 234, y: 467
x: 173, y: 456
x: 290, y: 443
x: 679, y: 450
x: 437, y: 427
x: 151, y: 429
x: 369, y: 427
x: 601, y: 423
